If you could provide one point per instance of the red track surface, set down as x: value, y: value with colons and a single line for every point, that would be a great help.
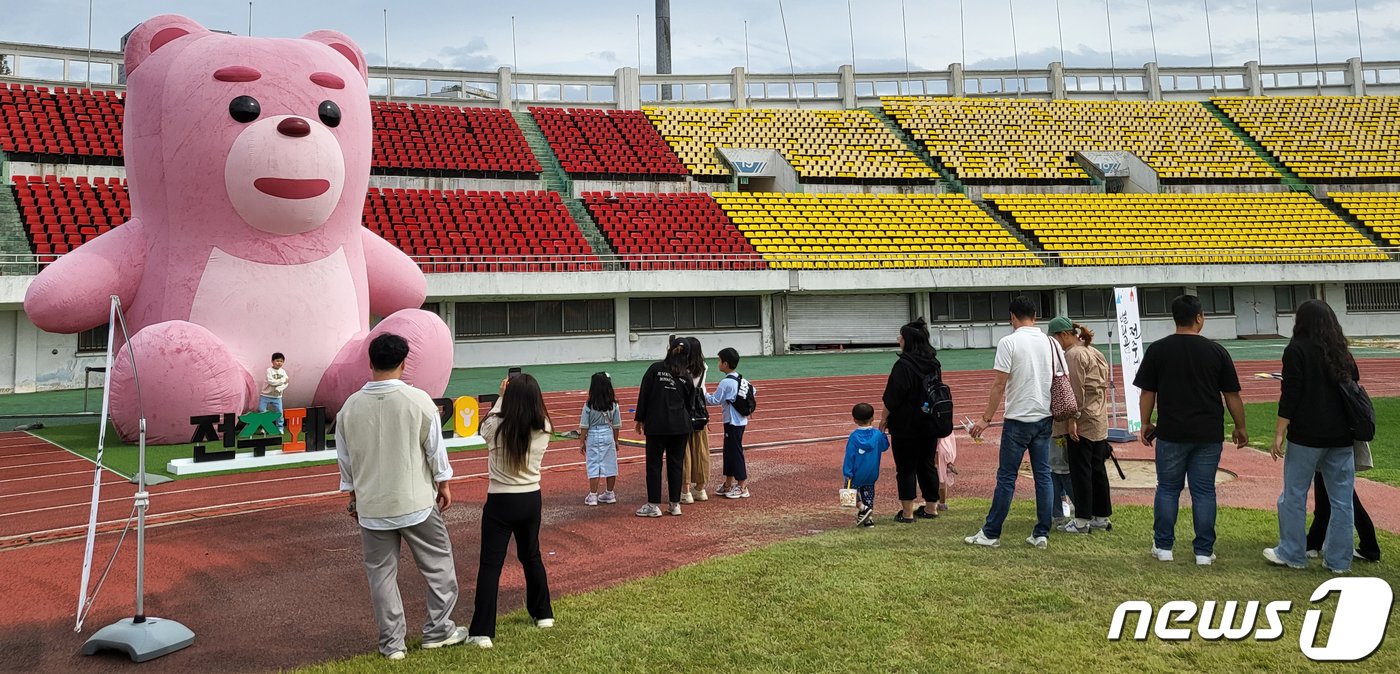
x: 294, y: 573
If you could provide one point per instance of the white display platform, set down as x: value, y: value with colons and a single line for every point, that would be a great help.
x: 276, y: 457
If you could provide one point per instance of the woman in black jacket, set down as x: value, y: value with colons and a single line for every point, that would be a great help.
x: 912, y: 439
x: 663, y: 417
x: 1312, y: 420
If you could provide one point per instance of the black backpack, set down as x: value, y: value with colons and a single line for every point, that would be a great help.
x: 1361, y: 415
x: 744, y: 402
x: 695, y: 405
x: 938, y: 403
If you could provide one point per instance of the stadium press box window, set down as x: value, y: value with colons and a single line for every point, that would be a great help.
x: 695, y: 313
x: 534, y: 319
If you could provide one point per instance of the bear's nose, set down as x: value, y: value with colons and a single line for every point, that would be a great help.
x: 295, y: 127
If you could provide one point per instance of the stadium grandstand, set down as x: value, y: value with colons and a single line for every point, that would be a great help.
x: 776, y: 213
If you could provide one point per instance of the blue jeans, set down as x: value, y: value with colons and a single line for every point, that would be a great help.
x: 1016, y: 438
x: 268, y: 402
x: 1338, y: 468
x: 1178, y: 462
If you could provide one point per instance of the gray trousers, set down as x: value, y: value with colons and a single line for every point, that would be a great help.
x: 432, y: 552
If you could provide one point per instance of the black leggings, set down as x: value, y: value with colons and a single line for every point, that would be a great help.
x: 914, y: 466
x: 503, y: 516
x: 672, y: 447
x: 1369, y: 548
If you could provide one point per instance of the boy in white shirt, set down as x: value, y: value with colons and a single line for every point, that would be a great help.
x: 274, y: 383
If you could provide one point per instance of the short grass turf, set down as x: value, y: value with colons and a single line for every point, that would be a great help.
x: 1260, y: 418
x: 912, y: 598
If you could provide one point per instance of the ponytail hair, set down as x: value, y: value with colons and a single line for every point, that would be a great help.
x: 1085, y: 334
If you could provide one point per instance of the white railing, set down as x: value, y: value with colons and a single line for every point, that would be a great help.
x: 627, y: 88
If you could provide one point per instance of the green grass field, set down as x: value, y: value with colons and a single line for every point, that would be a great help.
x: 1385, y: 449
x: 912, y: 598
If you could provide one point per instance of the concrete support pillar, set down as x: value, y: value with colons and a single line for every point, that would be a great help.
x: 505, y: 88
x: 955, y: 80
x: 622, y: 329
x: 775, y: 311
x: 765, y: 313
x: 627, y: 88
x: 1252, y: 81
x: 1355, y: 78
x: 919, y: 305
x: 1153, y: 82
x: 1057, y: 81
x: 740, y: 87
x: 847, y: 86
x: 26, y: 356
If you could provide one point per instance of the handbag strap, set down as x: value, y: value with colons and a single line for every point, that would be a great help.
x: 1063, y: 370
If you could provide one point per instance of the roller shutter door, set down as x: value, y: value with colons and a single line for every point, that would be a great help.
x: 845, y: 319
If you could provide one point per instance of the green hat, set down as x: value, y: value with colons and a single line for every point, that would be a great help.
x: 1060, y: 324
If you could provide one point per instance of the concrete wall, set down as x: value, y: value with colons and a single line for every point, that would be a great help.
x: 426, y: 183
x: 64, y: 170
x: 652, y: 345
x: 977, y: 191
x: 687, y: 185
x: 820, y: 188
x: 532, y: 351
x: 33, y: 360
x: 1223, y: 189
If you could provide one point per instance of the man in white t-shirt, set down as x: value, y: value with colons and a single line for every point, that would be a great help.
x: 1024, y: 368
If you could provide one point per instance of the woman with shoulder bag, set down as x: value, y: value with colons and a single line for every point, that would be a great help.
x: 1312, y: 420
x: 912, y: 437
x: 664, y: 418
x: 1087, y: 448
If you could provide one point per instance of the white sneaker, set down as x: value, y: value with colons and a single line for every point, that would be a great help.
x: 981, y: 539
x: 686, y: 498
x: 1075, y: 527
x: 480, y: 642
x: 455, y: 637
x: 722, y: 490
x: 1101, y: 523
x: 1273, y: 558
x: 1205, y: 560
x: 737, y: 492
x: 544, y: 623
x: 591, y: 499
x: 607, y: 497
x: 1161, y: 555
x: 1039, y: 542
x: 649, y: 510
x: 1314, y: 554
x: 397, y: 655
x: 675, y: 509
x: 702, y: 495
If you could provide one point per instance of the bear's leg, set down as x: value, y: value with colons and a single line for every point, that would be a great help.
x: 428, y: 367
x: 183, y: 371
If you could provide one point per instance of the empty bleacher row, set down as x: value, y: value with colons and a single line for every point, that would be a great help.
x: 1325, y: 139
x: 607, y: 143
x: 65, y: 121
x: 871, y: 231
x: 1012, y: 141
x: 1378, y: 211
x: 60, y: 215
x: 450, y: 138
x: 1115, y: 229
x: 821, y: 145
x: 656, y: 229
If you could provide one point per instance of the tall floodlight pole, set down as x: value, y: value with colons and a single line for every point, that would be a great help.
x: 1015, y: 50
x: 792, y: 71
x: 89, y: 53
x: 1152, y: 31
x: 1258, y: 36
x: 1060, y: 30
x: 1317, y: 63
x: 1360, y: 51
x: 250, y: 19
x: 1210, y: 47
x: 962, y: 36
x: 746, y: 45
x: 389, y: 95
x: 851, y: 28
x: 1112, y: 64
x: 639, y: 43
x: 663, y: 44
x: 904, y: 30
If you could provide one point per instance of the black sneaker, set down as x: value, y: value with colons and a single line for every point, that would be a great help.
x: 867, y: 523
x: 922, y: 513
x: 865, y: 518
x: 899, y: 517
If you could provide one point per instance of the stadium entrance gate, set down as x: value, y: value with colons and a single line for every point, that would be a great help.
x: 1255, y: 311
x: 847, y: 320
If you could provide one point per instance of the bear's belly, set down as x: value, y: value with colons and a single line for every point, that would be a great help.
x: 306, y: 311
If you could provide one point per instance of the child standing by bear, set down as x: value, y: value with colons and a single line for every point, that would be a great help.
x: 598, y: 426
x: 735, y: 396
x: 862, y: 465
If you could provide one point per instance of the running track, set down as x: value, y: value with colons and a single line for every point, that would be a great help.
x: 45, y: 491
x: 284, y: 587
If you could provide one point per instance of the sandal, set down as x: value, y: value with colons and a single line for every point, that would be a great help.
x: 922, y: 512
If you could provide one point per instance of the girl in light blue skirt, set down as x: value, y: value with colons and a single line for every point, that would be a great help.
x: 598, y: 426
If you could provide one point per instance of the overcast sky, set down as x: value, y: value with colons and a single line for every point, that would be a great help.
x: 564, y: 36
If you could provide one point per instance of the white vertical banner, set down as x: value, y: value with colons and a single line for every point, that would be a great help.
x: 1130, y: 342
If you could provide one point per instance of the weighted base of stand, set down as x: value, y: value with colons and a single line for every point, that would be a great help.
x: 141, y: 641
x: 1120, y: 435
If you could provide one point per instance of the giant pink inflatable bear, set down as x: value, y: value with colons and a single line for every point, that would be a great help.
x: 248, y: 161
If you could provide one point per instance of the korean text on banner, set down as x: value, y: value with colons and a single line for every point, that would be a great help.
x: 1130, y: 340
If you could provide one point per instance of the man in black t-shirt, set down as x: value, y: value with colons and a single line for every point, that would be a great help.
x: 1184, y: 376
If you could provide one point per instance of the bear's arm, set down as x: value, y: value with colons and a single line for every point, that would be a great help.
x: 395, y: 282
x: 74, y: 293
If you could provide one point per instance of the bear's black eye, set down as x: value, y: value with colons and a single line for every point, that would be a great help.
x: 330, y: 113
x: 244, y: 109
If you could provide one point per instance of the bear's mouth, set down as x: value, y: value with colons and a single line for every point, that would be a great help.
x: 292, y: 188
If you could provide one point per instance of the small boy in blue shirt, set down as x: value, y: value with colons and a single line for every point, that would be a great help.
x: 862, y: 466
x: 736, y: 472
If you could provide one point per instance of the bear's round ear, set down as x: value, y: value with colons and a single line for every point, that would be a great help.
x: 155, y: 33
x: 347, y: 48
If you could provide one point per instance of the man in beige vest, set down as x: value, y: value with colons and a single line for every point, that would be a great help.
x: 388, y: 440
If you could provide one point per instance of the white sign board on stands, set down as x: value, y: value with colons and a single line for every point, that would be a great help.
x: 1130, y: 341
